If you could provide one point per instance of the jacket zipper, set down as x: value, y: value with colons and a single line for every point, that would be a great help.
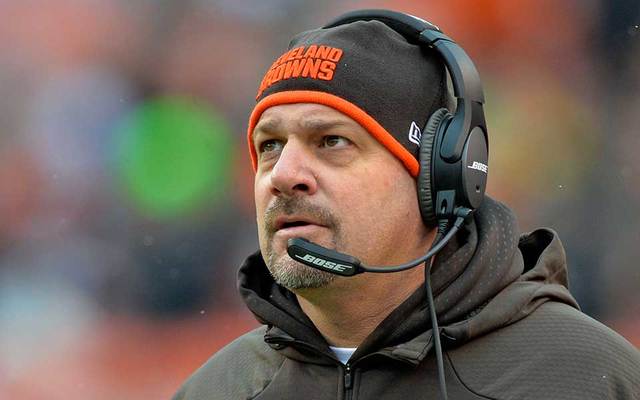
x: 348, y: 377
x: 348, y: 382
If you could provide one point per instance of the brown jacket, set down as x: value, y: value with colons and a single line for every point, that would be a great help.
x: 510, y: 330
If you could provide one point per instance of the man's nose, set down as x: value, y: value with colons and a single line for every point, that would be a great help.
x: 293, y: 172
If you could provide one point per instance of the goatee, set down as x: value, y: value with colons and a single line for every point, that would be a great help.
x: 285, y: 271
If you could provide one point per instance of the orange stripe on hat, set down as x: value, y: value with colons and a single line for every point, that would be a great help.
x: 354, y: 112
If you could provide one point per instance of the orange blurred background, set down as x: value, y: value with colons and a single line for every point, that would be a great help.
x: 126, y: 190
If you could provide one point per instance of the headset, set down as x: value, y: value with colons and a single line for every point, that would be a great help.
x: 453, y: 158
x: 454, y: 148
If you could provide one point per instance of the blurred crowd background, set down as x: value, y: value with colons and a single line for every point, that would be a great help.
x: 126, y: 198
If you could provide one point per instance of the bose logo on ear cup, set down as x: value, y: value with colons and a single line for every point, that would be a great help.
x: 479, y: 166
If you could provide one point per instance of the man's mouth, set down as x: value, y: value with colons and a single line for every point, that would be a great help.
x: 291, y: 225
x: 288, y: 223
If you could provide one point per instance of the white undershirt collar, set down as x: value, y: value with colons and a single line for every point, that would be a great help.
x: 343, y: 353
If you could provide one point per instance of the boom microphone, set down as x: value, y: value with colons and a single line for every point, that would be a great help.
x: 332, y: 261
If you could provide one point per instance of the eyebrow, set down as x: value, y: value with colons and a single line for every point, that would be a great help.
x: 274, y: 125
x: 270, y: 125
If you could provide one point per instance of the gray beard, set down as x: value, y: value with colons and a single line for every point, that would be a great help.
x: 294, y: 275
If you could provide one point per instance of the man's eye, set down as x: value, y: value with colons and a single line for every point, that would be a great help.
x: 269, y: 146
x: 335, y: 141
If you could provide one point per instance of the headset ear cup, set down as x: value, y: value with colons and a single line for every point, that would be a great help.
x: 425, y: 189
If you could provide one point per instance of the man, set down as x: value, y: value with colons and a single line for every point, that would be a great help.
x: 334, y: 165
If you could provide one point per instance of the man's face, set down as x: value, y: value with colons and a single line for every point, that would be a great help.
x: 323, y: 177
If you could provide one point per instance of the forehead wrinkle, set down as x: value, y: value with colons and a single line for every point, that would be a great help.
x: 320, y: 124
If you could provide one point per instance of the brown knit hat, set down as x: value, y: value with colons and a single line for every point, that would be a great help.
x: 365, y: 70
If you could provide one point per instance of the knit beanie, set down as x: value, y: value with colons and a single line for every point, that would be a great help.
x: 368, y: 72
